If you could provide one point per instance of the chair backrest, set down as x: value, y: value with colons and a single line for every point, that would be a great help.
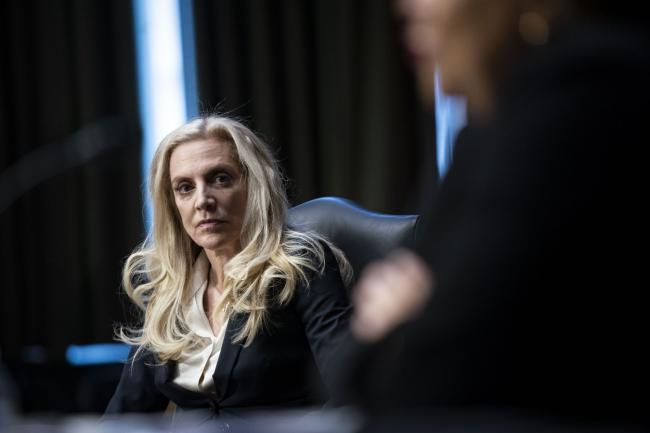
x: 363, y: 236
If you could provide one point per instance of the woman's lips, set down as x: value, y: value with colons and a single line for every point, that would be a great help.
x: 209, y: 223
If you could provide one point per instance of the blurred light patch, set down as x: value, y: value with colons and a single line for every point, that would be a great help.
x: 189, y: 59
x: 163, y: 78
x: 451, y: 117
x: 94, y: 354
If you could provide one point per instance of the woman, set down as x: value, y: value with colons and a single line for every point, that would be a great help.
x: 238, y: 308
x: 528, y: 255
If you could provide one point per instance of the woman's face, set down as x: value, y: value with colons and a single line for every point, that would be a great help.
x: 469, y: 38
x: 473, y: 37
x: 210, y: 193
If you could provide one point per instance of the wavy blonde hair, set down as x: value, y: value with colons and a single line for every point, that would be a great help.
x: 157, y: 276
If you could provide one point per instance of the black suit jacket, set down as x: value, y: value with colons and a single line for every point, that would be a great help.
x: 287, y: 364
x: 535, y: 239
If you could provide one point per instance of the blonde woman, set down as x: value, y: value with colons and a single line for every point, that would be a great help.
x: 238, y: 309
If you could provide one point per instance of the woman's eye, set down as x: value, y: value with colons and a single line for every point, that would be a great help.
x: 222, y: 179
x: 183, y: 188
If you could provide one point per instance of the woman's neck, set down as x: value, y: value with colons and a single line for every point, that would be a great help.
x: 218, y: 260
x: 480, y: 101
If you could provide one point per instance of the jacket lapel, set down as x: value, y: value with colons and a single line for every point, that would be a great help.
x: 228, y: 356
x: 164, y: 378
x: 163, y: 373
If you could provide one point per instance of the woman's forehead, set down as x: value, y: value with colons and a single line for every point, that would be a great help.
x: 196, y: 154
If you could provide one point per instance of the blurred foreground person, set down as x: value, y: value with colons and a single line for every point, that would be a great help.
x: 526, y: 289
x: 238, y: 309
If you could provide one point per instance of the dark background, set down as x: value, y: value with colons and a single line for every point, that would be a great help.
x: 325, y: 82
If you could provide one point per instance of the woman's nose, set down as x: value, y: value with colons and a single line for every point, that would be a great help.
x: 205, y: 200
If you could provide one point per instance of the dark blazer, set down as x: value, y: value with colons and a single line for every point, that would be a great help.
x: 535, y: 240
x: 287, y: 364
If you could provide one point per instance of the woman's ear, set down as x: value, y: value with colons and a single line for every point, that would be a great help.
x: 534, y: 28
x: 537, y: 18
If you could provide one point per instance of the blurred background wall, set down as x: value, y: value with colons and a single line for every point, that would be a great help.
x: 325, y: 82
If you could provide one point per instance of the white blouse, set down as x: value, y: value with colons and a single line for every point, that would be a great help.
x: 195, y: 368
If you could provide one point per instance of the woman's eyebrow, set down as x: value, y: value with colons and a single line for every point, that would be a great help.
x: 179, y: 179
x: 207, y: 172
x: 220, y: 168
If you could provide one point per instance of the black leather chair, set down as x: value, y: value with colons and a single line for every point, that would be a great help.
x: 363, y: 236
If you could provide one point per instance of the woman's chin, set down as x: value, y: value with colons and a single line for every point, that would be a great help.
x: 216, y: 242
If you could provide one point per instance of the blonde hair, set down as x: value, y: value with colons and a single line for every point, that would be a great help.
x: 157, y: 275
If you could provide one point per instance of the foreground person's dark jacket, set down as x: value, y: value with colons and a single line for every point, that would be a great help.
x: 537, y: 239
